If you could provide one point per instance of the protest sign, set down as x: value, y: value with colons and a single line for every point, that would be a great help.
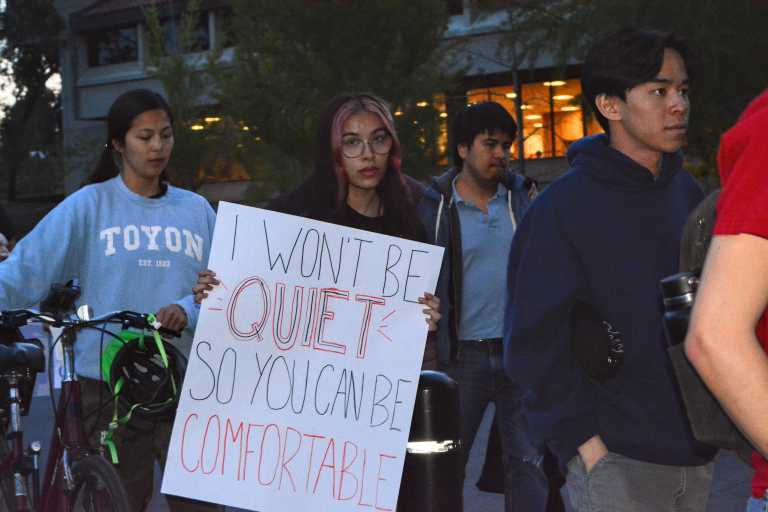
x: 304, y: 367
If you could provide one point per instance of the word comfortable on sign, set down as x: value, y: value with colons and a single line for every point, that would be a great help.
x: 303, y: 372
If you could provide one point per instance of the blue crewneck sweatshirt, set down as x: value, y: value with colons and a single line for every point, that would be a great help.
x: 604, y: 233
x: 126, y: 250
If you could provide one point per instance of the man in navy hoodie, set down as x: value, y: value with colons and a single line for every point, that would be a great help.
x: 604, y: 235
x: 472, y: 210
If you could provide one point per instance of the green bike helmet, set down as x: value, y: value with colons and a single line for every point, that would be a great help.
x: 144, y: 372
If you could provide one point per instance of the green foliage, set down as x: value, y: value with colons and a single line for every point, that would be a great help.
x: 29, y: 30
x: 184, y: 76
x: 728, y: 36
x: 295, y: 55
x: 291, y: 58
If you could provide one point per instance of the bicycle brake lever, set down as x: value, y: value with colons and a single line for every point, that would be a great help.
x: 135, y: 320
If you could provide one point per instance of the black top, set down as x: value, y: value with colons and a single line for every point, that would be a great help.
x: 300, y: 202
x: 360, y: 221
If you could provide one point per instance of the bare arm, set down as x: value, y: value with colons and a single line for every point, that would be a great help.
x: 721, y: 341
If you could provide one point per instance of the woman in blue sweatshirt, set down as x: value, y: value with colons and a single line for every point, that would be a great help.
x: 134, y: 242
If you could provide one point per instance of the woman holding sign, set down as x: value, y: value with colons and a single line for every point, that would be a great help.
x: 134, y: 242
x: 357, y: 182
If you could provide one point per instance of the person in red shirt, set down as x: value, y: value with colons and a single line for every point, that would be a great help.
x: 728, y: 335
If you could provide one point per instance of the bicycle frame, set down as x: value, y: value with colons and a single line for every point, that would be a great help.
x: 68, y: 439
x: 16, y: 458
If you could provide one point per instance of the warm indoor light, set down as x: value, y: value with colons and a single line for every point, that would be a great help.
x: 212, y: 119
x: 533, y: 116
x: 554, y: 83
x: 422, y: 104
x: 525, y: 107
x: 569, y: 108
x: 443, y: 114
x: 197, y: 127
x: 538, y: 125
x: 245, y: 128
x: 562, y: 97
x: 511, y: 95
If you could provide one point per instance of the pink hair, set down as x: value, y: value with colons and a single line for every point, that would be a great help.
x: 374, y: 105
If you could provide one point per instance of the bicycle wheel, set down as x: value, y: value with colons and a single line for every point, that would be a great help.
x: 7, y: 496
x: 98, y: 487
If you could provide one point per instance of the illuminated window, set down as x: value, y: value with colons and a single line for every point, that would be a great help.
x: 442, y: 134
x: 552, y: 115
x: 226, y: 157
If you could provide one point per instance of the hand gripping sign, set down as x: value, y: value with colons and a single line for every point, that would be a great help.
x: 304, y: 367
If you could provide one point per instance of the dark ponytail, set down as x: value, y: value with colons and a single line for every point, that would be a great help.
x: 123, y: 111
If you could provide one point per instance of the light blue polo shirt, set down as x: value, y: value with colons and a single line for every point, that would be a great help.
x: 485, y: 242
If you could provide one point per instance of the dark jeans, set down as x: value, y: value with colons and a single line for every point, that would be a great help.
x: 480, y: 375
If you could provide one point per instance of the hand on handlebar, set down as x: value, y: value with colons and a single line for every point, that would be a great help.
x: 172, y: 317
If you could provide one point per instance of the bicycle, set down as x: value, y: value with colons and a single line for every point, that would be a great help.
x: 77, y: 476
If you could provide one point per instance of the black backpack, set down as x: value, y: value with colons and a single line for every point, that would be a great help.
x: 709, y: 422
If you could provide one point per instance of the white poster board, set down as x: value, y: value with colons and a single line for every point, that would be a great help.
x: 304, y: 367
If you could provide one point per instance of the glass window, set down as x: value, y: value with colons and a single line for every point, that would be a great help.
x: 199, y: 35
x: 552, y: 115
x: 113, y: 46
x: 225, y: 30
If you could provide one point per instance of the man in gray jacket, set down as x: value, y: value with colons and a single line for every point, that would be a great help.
x: 472, y: 210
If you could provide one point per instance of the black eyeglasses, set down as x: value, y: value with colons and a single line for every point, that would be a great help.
x: 354, y: 147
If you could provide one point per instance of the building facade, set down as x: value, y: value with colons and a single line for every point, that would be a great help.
x: 106, y: 53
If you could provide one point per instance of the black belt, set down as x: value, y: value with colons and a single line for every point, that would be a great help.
x: 483, y: 341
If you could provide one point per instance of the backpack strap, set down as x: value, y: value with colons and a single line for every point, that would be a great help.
x: 697, y: 234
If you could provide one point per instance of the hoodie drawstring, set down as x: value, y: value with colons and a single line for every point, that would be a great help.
x: 439, y: 213
x: 511, y: 212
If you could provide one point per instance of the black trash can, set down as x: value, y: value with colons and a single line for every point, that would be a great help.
x: 433, y: 474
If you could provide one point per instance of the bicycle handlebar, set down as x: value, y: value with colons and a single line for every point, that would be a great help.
x: 16, y: 318
x: 25, y: 354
